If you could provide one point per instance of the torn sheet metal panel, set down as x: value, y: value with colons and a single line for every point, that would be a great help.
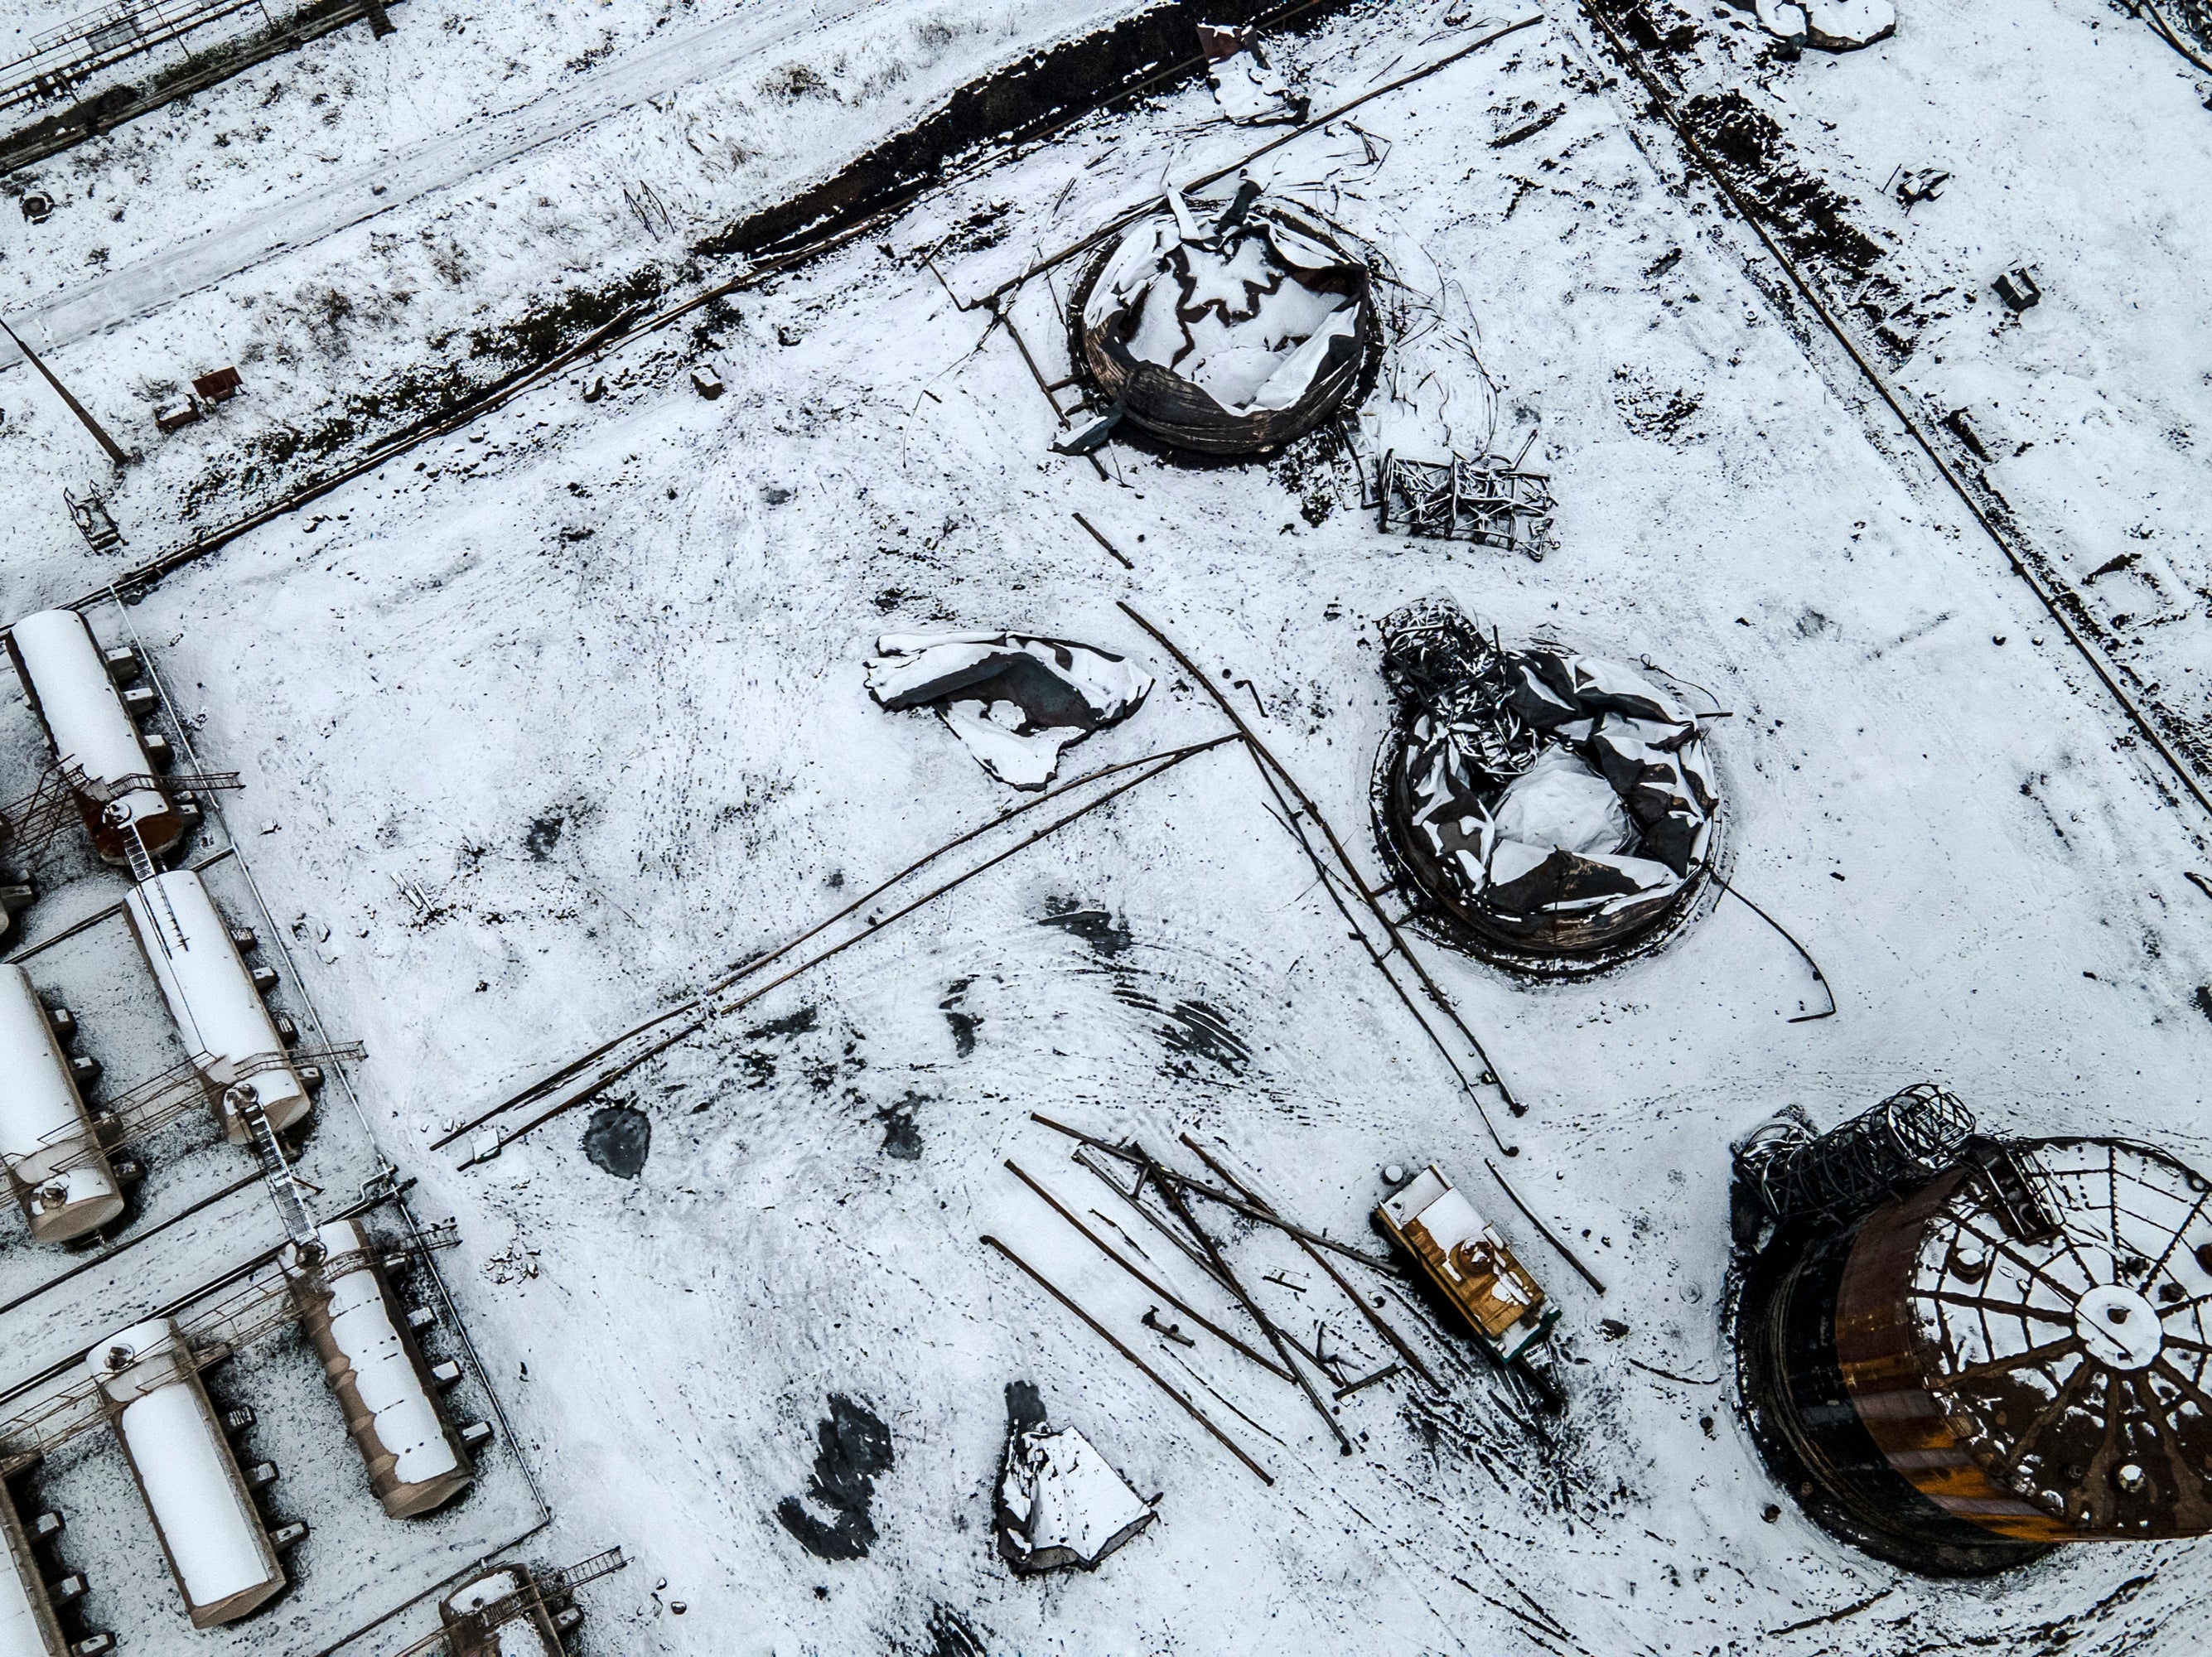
x: 1017, y: 701
x: 1827, y: 25
x: 1060, y: 1506
x: 1228, y: 338
x: 1465, y: 1257
x: 1246, y: 85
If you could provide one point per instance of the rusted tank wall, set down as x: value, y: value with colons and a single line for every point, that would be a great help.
x: 376, y: 1371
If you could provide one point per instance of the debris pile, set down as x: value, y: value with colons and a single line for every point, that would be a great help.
x: 1017, y: 701
x: 1229, y: 338
x: 1060, y: 1506
x: 1904, y: 1141
x: 1489, y: 501
x: 1555, y: 803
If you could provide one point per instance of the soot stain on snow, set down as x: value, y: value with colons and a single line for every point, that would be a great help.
x: 1107, y: 936
x: 818, y: 1065
x: 854, y: 1447
x: 963, y: 1022
x: 759, y: 1065
x: 902, y: 1136
x: 1650, y: 411
x: 1803, y: 210
x: 545, y: 834
x: 1311, y: 470
x: 1665, y: 36
x: 797, y: 1023
x: 618, y: 1139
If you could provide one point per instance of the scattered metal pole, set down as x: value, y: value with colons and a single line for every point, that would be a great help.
x: 545, y: 1085
x: 1282, y: 1348
x: 114, y: 449
x: 1397, y: 1342
x: 1135, y: 1199
x: 1111, y: 1254
x: 1149, y: 1372
x: 1364, y: 1381
x: 1566, y: 1253
x: 1270, y: 769
x: 1819, y: 977
x: 1163, y: 1176
x: 1102, y: 541
x: 698, y: 1021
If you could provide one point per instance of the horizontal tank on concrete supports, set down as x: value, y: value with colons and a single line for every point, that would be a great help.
x: 28, y: 1627
x: 211, y: 995
x: 52, y: 1153
x: 217, y: 1547
x: 376, y: 1371
x: 95, y: 741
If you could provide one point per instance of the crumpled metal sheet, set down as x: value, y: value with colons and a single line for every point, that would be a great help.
x: 1558, y: 802
x: 1017, y: 701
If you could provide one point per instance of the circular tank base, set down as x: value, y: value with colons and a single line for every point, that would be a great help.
x: 1807, y: 1431
x: 1459, y: 928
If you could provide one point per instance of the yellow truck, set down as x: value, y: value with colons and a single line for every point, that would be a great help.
x: 1465, y: 1257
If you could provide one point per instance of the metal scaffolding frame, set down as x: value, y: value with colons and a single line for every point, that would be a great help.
x: 63, y: 59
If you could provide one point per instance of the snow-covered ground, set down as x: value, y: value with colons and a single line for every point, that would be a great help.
x: 554, y: 720
x: 2074, y: 139
x: 345, y: 222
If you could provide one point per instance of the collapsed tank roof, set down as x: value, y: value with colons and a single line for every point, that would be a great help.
x: 2071, y: 1376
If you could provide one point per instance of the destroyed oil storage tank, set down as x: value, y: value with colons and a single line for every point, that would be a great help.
x: 213, y: 998
x: 1553, y: 811
x: 2014, y: 1354
x: 217, y: 1547
x: 28, y: 1627
x: 1230, y: 336
x: 55, y: 1164
x: 96, y: 743
x: 375, y: 1370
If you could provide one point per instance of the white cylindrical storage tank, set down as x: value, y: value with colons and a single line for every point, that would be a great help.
x: 28, y: 1625
x: 52, y: 1153
x: 376, y: 1371
x: 210, y: 993
x: 90, y: 729
x: 499, y: 1614
x: 218, y: 1549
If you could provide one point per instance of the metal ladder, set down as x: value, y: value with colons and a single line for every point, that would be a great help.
x: 142, y: 870
x: 276, y: 1169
